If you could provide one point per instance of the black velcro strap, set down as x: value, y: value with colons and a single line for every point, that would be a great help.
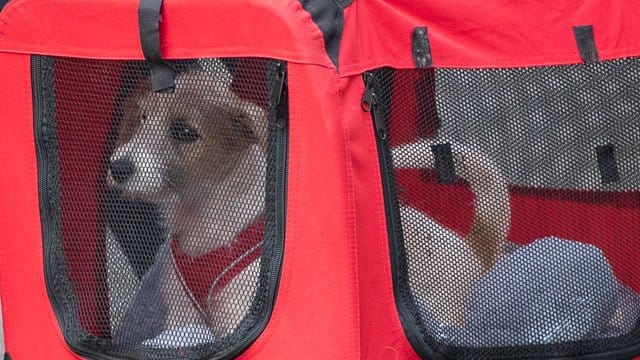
x: 162, y: 75
x: 607, y: 164
x: 586, y: 43
x: 421, y: 48
x: 443, y: 163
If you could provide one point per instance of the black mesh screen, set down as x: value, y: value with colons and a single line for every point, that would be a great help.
x: 162, y: 228
x: 513, y: 207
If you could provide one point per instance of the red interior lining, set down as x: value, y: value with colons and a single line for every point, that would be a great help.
x: 608, y: 220
x: 83, y: 129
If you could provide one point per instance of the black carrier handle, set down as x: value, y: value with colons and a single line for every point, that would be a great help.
x: 162, y: 74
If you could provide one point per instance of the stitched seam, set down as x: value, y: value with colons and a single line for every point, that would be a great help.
x: 351, y: 218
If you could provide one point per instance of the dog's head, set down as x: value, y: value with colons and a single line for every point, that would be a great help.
x: 170, y: 142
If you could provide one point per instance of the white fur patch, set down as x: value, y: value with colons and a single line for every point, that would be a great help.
x: 147, y: 150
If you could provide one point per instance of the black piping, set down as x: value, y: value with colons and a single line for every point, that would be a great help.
x: 275, y: 209
x: 377, y: 103
x: 329, y: 17
x: 162, y: 75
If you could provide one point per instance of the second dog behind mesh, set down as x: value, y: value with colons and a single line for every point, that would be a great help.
x: 444, y: 267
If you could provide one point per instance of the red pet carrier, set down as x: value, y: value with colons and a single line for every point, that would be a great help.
x: 320, y: 179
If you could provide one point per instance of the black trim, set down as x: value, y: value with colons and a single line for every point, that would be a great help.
x: 443, y: 163
x: 56, y: 279
x: 3, y: 3
x: 586, y: 43
x: 420, y: 48
x: 329, y: 17
x: 162, y: 75
x: 607, y: 164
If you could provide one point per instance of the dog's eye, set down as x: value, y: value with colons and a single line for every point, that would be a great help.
x: 182, y: 132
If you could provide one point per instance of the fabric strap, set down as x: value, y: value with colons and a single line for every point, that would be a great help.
x: 162, y: 75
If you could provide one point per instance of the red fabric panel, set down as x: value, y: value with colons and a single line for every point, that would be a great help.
x: 493, y: 33
x: 316, y: 314
x: 381, y: 334
x: 27, y: 315
x: 190, y: 29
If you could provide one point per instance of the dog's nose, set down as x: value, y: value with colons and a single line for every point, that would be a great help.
x: 121, y: 170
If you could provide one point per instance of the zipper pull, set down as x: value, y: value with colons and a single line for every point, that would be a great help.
x: 278, y: 88
x: 278, y: 99
x: 370, y: 104
x: 368, y: 98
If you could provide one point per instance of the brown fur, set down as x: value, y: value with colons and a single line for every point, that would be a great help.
x: 225, y: 128
x: 443, y: 266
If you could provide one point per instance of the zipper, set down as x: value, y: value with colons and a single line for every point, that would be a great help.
x: 45, y: 138
x: 44, y: 135
x: 282, y: 163
x: 372, y: 103
x: 279, y: 106
x: 49, y: 198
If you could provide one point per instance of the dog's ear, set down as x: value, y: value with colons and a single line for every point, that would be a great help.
x: 254, y: 118
x: 245, y: 112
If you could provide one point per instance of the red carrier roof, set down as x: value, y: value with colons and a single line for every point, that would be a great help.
x: 370, y: 34
x: 487, y: 34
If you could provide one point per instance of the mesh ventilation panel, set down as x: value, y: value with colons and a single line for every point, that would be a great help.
x: 512, y: 200
x: 159, y: 209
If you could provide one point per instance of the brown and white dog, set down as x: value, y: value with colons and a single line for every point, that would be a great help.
x: 443, y: 266
x: 199, y: 154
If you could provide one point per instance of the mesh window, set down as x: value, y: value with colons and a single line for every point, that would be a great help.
x: 162, y: 212
x: 513, y: 207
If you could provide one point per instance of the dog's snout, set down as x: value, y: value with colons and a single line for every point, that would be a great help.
x: 121, y: 170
